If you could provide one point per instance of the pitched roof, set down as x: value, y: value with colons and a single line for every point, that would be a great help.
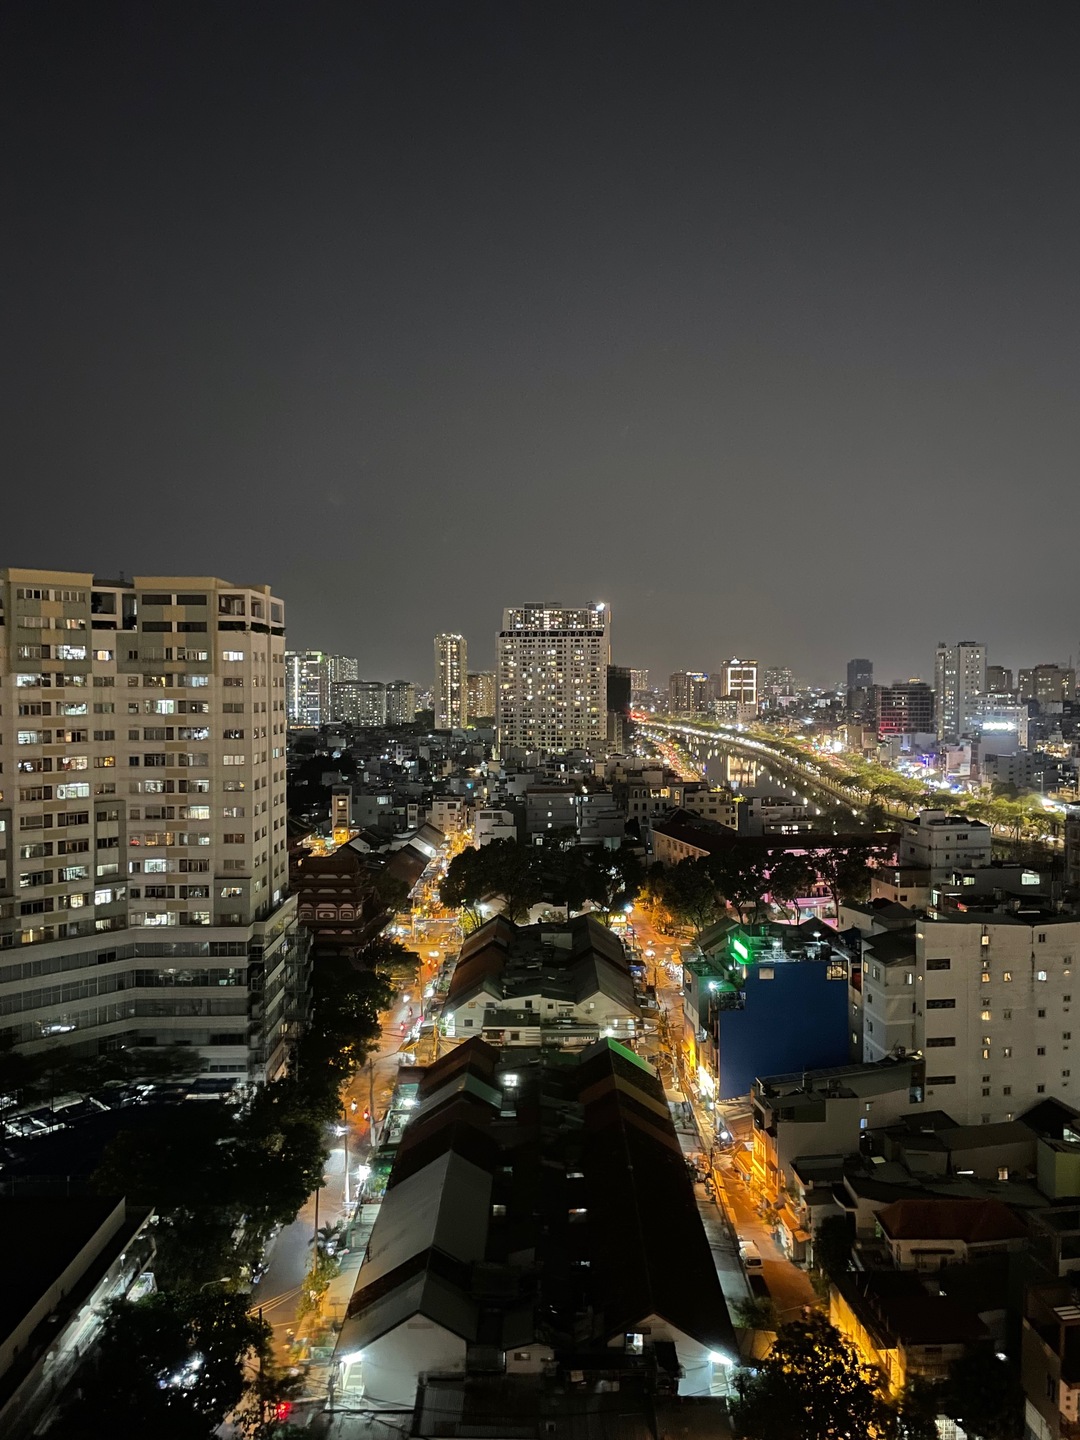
x: 973, y: 1221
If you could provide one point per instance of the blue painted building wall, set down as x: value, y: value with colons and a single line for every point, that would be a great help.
x: 795, y: 1021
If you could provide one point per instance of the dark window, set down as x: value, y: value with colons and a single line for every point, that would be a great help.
x: 938, y: 1042
x: 155, y: 599
x: 939, y: 964
x: 941, y: 1079
x: 941, y: 1004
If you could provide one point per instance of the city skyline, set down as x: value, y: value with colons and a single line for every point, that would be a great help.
x: 421, y: 280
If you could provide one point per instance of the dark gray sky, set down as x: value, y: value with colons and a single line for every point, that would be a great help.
x: 758, y: 321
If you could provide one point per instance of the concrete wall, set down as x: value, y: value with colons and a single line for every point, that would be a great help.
x: 797, y: 1019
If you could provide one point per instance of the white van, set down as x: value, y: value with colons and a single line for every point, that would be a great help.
x: 751, y: 1255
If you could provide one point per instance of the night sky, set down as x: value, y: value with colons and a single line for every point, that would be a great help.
x: 757, y: 321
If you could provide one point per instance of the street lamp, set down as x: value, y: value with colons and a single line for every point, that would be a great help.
x: 343, y: 1131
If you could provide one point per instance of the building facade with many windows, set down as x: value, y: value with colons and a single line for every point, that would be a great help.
x: 143, y: 852
x: 959, y: 678
x: 451, y: 682
x: 552, y: 677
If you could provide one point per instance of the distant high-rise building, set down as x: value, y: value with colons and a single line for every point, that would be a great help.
x: 903, y: 708
x: 307, y: 687
x: 400, y: 702
x: 481, y: 693
x: 693, y: 692
x: 618, y: 705
x: 999, y: 680
x: 451, y: 693
x: 779, y: 680
x: 1047, y: 683
x: 151, y: 714
x: 639, y: 681
x: 741, y: 681
x: 959, y: 677
x: 552, y: 677
x: 860, y: 681
x: 358, y: 702
x: 342, y: 667
x: 309, y: 675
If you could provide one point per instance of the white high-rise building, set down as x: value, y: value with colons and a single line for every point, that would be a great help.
x: 143, y: 845
x: 552, y: 677
x: 451, y: 682
x: 959, y: 679
x: 307, y: 688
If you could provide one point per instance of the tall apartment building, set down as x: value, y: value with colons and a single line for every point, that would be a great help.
x: 692, y: 692
x: 860, y: 686
x: 400, y: 702
x: 306, y: 687
x: 552, y: 677
x: 904, y: 708
x: 987, y: 999
x: 959, y: 677
x: 1047, y: 683
x: 358, y: 702
x: 143, y: 853
x: 779, y: 680
x: 451, y: 682
x: 309, y: 675
x: 639, y: 681
x: 741, y: 681
x: 999, y: 680
x: 480, y: 691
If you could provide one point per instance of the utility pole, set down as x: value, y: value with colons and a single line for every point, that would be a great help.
x: 371, y: 1103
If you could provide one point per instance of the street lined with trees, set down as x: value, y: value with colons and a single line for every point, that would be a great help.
x: 221, y: 1178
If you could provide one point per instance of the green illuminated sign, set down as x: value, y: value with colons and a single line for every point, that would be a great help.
x: 740, y: 949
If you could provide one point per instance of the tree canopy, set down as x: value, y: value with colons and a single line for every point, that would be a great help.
x: 811, y: 1386
x: 519, y: 876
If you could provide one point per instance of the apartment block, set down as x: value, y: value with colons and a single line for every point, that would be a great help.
x: 451, y: 682
x: 143, y: 855
x: 959, y: 677
x: 993, y: 995
x: 480, y: 689
x: 552, y: 677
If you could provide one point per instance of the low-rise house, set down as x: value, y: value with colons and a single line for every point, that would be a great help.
x: 927, y: 1234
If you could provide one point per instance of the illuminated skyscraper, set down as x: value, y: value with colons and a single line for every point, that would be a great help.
x: 552, y: 677
x: 451, y: 670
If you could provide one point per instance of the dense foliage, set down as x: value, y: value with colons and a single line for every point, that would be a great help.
x: 220, y: 1178
x: 516, y: 877
x: 811, y: 1386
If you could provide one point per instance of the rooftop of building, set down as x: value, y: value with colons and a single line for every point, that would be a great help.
x: 896, y: 1306
x: 975, y: 1222
x: 943, y: 819
x: 560, y: 960
x: 835, y: 1082
x: 512, y: 1155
